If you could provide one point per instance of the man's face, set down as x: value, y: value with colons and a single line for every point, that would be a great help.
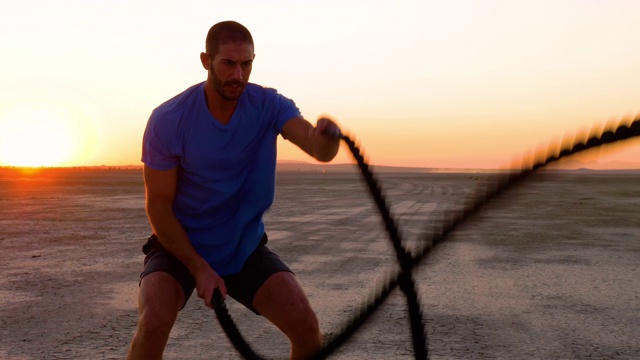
x: 230, y: 68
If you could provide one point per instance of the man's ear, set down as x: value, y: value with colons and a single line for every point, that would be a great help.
x: 204, y: 59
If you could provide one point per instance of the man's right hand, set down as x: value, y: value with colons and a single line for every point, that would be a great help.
x: 207, y: 280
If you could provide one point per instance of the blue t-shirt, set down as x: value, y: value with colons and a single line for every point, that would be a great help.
x: 226, y: 173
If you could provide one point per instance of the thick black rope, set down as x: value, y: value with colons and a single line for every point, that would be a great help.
x: 231, y: 329
x: 597, y: 137
x: 405, y: 260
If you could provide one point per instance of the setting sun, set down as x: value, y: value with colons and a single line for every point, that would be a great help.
x: 43, y: 133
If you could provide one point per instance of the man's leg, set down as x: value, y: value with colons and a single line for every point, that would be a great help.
x: 159, y: 299
x: 283, y: 302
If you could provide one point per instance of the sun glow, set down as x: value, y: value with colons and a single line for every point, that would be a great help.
x: 44, y: 133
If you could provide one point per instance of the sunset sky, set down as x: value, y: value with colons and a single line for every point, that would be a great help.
x: 419, y: 83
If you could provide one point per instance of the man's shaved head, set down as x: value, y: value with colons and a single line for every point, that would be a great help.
x: 226, y: 32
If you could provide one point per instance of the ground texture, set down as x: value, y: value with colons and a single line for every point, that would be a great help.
x: 548, y: 270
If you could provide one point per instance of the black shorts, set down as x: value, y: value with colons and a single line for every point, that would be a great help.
x: 241, y: 286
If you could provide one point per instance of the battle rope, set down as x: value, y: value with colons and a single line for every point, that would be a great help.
x: 597, y: 137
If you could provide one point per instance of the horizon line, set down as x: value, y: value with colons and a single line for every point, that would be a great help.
x: 309, y: 165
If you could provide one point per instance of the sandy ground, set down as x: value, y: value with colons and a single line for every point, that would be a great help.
x: 549, y: 270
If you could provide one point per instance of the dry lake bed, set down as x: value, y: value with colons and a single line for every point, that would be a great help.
x: 548, y: 270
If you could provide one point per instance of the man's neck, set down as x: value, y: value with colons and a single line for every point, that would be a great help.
x: 221, y: 109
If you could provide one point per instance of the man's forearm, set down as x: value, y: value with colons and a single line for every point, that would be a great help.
x: 174, y: 238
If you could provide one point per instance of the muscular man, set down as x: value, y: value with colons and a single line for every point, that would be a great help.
x: 209, y: 158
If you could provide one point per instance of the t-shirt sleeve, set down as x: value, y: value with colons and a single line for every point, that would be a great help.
x: 158, y: 143
x: 286, y: 110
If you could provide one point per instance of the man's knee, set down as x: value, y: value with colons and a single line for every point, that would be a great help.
x: 304, y: 325
x: 153, y: 324
x: 152, y: 334
x: 305, y: 338
x: 160, y: 299
x: 307, y: 323
x: 282, y: 301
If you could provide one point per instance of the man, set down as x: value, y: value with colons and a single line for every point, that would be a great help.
x: 209, y: 168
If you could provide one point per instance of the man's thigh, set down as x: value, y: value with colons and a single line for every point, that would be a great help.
x: 283, y: 302
x: 258, y: 268
x: 161, y: 295
x: 158, y: 259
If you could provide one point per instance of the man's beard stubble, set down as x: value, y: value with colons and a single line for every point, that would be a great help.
x: 220, y: 87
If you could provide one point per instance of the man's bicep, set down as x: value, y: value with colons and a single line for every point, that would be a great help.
x: 160, y: 185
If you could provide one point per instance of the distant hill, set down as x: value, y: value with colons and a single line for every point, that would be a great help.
x: 565, y: 165
x: 302, y: 166
x: 570, y: 164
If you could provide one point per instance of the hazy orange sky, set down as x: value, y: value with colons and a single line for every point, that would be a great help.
x: 418, y: 83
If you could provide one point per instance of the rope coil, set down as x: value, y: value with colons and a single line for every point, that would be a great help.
x: 612, y: 133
